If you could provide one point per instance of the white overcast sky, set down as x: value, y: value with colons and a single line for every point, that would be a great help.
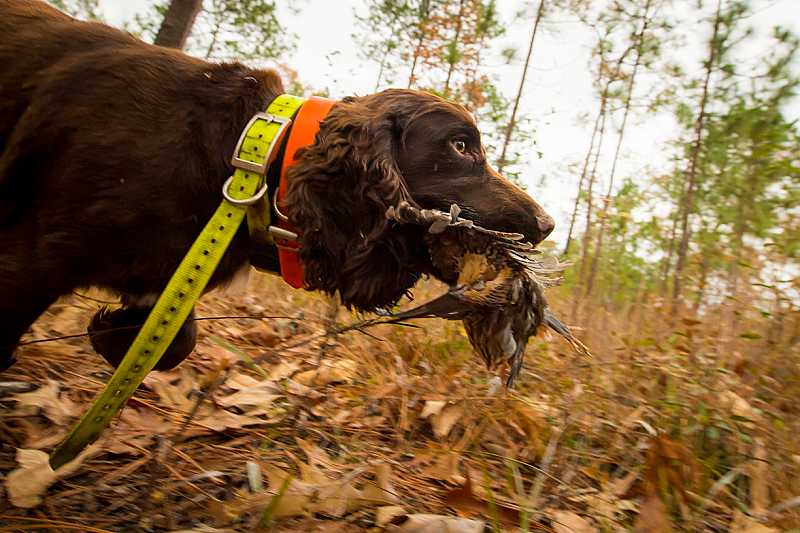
x: 558, y: 93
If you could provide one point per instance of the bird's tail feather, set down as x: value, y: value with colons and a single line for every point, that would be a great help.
x: 445, y: 306
x: 559, y: 327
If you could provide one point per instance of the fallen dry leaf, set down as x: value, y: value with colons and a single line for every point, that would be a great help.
x: 58, y: 409
x: 670, y: 467
x: 336, y: 371
x: 602, y: 505
x: 261, y: 334
x: 383, y: 490
x: 337, y: 499
x: 261, y: 395
x: 386, y: 514
x: 737, y: 405
x: 222, y: 420
x: 173, y: 388
x: 317, y: 492
x: 431, y: 523
x: 621, y: 486
x: 445, y: 468
x: 282, y: 370
x: 464, y: 500
x: 136, y: 429
x: 741, y: 523
x: 239, y: 381
x: 27, y: 483
x: 315, y: 454
x: 432, y: 407
x: 569, y: 522
x: 40, y: 436
x: 203, y: 529
x: 653, y: 517
x: 444, y: 421
x: 298, y: 389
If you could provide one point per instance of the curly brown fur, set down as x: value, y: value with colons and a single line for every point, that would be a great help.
x: 373, y: 152
x: 338, y: 195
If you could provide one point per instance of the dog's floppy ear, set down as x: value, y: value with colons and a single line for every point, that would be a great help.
x: 338, y: 194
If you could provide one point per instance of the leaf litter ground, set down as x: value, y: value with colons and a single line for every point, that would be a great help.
x: 273, y: 425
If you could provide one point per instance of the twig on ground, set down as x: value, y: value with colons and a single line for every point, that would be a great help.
x: 123, y: 328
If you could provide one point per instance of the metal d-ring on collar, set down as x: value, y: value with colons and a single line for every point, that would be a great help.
x: 277, y: 232
x: 244, y: 201
x: 277, y: 210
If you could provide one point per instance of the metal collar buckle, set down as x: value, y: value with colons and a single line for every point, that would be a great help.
x: 250, y: 166
x: 259, y: 168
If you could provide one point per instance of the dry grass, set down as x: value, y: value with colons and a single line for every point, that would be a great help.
x: 681, y: 429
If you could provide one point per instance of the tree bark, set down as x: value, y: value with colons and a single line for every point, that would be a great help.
x: 598, y: 248
x: 576, y: 301
x: 215, y: 32
x: 691, y: 177
x: 581, y: 181
x: 177, y: 23
x: 423, y: 18
x: 451, y: 68
x: 513, y: 120
x: 380, y: 70
x: 665, y: 271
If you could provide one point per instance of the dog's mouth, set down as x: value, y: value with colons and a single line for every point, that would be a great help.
x: 421, y: 261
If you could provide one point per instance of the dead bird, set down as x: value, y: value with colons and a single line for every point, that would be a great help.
x: 496, y: 285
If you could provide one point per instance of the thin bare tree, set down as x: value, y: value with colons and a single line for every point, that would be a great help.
x: 691, y: 174
x: 598, y: 247
x: 177, y: 24
x: 512, y: 122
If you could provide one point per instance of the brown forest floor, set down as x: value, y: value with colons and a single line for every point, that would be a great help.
x: 675, y: 431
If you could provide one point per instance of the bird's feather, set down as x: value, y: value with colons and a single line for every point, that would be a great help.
x: 497, y: 281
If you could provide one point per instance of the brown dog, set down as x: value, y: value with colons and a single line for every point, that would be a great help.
x: 113, y: 153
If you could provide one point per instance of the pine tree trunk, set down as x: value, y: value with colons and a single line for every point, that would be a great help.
x: 576, y: 301
x: 177, y: 23
x: 744, y: 210
x: 215, y: 32
x: 581, y: 181
x: 638, y: 306
x: 665, y: 271
x: 416, y: 58
x: 385, y: 57
x: 513, y: 120
x: 598, y: 249
x: 423, y: 18
x: 701, y: 285
x: 380, y: 70
x: 691, y: 177
x: 452, y: 67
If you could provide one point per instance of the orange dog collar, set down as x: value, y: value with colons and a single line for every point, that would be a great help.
x: 304, y: 129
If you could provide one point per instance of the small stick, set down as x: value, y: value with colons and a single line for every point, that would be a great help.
x: 123, y: 328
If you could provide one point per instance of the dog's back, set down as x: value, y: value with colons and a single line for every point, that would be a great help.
x: 33, y: 37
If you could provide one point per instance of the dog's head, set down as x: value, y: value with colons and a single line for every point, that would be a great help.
x: 373, y: 152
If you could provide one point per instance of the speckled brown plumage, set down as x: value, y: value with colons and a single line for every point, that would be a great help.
x: 496, y: 285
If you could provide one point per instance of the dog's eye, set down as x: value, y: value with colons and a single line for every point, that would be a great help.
x: 460, y: 146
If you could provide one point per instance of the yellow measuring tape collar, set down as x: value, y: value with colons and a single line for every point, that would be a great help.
x: 244, y: 192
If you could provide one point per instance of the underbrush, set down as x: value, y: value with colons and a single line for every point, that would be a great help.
x: 272, y: 424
